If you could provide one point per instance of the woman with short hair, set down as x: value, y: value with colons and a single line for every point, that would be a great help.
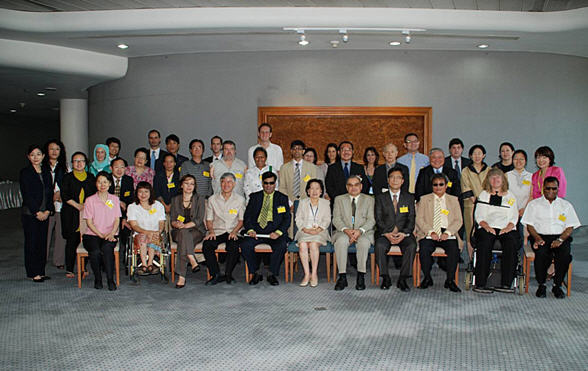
x: 545, y: 159
x: 506, y: 151
x: 140, y: 172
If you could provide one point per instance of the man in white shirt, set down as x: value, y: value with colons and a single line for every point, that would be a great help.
x: 275, y: 157
x: 413, y: 159
x: 550, y: 221
x: 155, y: 153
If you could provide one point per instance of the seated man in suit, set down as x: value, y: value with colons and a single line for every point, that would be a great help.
x: 455, y: 160
x: 353, y: 217
x: 267, y: 213
x: 340, y: 171
x: 380, y: 181
x: 395, y: 218
x: 123, y: 187
x: 438, y: 220
x: 423, y: 185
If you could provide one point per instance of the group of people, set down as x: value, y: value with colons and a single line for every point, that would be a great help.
x: 430, y: 201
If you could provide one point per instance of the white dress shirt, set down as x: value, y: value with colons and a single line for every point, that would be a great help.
x: 275, y: 157
x: 550, y: 218
x: 497, y: 216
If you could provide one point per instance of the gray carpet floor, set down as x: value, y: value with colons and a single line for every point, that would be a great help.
x: 55, y: 325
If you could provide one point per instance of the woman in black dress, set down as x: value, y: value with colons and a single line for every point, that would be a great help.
x: 37, y: 201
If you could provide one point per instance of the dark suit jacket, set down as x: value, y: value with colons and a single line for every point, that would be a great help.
x: 464, y: 162
x: 387, y: 219
x: 127, y: 192
x: 158, y: 162
x: 281, y: 214
x: 381, y: 178
x: 423, y: 184
x: 33, y: 190
x: 161, y: 188
x: 335, y: 180
x: 208, y: 159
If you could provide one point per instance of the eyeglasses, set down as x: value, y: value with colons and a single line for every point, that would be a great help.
x: 269, y: 183
x: 438, y: 184
x: 550, y: 188
x: 411, y: 141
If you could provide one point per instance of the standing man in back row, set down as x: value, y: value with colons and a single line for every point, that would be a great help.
x: 455, y: 160
x: 275, y: 157
x: 155, y: 153
x: 339, y: 171
x: 413, y: 159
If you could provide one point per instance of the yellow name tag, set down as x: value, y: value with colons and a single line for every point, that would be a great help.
x: 181, y: 218
x: 307, y: 178
x: 562, y: 217
x: 238, y: 175
x: 127, y: 193
x: 404, y: 209
x: 445, y: 211
x: 233, y: 211
x: 109, y: 204
x: 449, y: 184
x: 281, y: 209
x: 180, y: 169
x: 152, y: 211
x: 511, y: 201
x: 527, y: 182
x: 171, y: 185
x: 206, y: 174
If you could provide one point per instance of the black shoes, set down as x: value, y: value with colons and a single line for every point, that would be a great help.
x: 402, y: 285
x: 111, y: 286
x: 386, y: 282
x: 272, y: 280
x: 360, y: 284
x: 215, y: 279
x: 541, y: 291
x: 341, y: 283
x: 452, y: 286
x: 558, y: 292
x: 230, y: 279
x: 257, y: 278
x: 98, y: 284
x: 426, y: 282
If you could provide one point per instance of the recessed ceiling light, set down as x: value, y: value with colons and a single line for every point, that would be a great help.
x: 50, y: 88
x: 13, y: 110
x: 483, y: 46
x: 122, y: 46
x: 303, y: 40
x: 40, y: 94
x: 394, y: 43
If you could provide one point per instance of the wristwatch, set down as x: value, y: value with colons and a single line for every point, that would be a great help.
x: 560, y: 240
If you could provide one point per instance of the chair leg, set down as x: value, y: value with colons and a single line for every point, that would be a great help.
x: 334, y: 267
x: 569, y: 285
x: 79, y: 261
x: 117, y: 268
x: 373, y: 266
x: 377, y: 274
x: 417, y: 271
x: 527, y: 264
x: 328, y: 261
x: 173, y: 265
x: 246, y: 273
x: 457, y: 275
x: 286, y: 267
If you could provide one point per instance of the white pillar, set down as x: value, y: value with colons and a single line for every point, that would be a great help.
x: 74, y: 125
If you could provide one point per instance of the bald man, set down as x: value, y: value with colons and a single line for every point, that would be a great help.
x: 380, y: 182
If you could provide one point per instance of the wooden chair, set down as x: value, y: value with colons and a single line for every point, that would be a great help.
x: 264, y: 248
x: 293, y: 249
x: 352, y: 249
x: 529, y: 257
x: 438, y: 253
x: 173, y: 246
x: 395, y: 251
x: 82, y: 254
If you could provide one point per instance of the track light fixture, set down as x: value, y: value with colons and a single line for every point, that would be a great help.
x: 303, y: 40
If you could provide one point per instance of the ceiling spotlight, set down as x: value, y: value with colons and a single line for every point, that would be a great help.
x: 13, y: 110
x: 407, y: 37
x: 303, y: 40
x: 395, y: 43
x: 344, y: 35
x: 123, y: 46
x: 334, y: 43
x: 40, y: 94
x: 483, y: 46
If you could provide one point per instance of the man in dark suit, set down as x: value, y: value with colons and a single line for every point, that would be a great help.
x: 423, y: 185
x: 395, y: 217
x: 122, y: 187
x: 155, y: 159
x: 339, y: 172
x: 267, y: 213
x: 381, y: 173
x: 216, y: 146
x: 455, y: 160
x: 172, y: 144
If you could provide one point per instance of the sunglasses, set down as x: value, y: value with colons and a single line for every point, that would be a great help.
x: 550, y: 188
x: 438, y: 184
x: 269, y: 183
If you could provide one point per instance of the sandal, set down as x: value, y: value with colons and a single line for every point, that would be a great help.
x: 143, y: 271
x: 150, y: 269
x: 70, y: 275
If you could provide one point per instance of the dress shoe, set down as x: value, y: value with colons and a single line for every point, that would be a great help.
x: 38, y: 280
x: 180, y: 286
x: 111, y: 286
x: 541, y: 291
x: 229, y: 279
x: 304, y: 282
x: 272, y: 280
x: 558, y: 292
x: 257, y: 278
x: 314, y: 282
x: 214, y: 280
x: 98, y: 284
x: 341, y: 283
x: 46, y: 278
x: 483, y: 290
x: 426, y: 283
x: 386, y: 282
x: 452, y: 286
x: 402, y: 285
x: 360, y: 284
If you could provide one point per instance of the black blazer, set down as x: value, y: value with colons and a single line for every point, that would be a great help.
x: 158, y: 162
x: 127, y: 192
x: 423, y: 184
x: 33, y: 190
x: 387, y: 219
x: 381, y: 178
x: 335, y: 180
x: 281, y: 214
x: 70, y: 190
x: 208, y: 159
x: 161, y: 188
x: 464, y: 163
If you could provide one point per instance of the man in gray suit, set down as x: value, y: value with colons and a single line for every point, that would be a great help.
x: 395, y: 216
x: 353, y: 217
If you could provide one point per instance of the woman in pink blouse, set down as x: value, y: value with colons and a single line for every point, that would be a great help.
x: 102, y: 214
x: 545, y: 159
x: 140, y: 172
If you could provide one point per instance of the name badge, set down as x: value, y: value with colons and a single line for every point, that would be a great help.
x: 152, y: 211
x: 307, y: 178
x: 527, y: 182
x: 181, y: 218
x: 206, y: 174
x: 180, y: 169
x: 562, y: 217
x: 384, y: 190
x: 511, y: 201
x: 449, y: 184
x: 109, y: 204
x: 238, y: 175
x: 233, y: 211
x: 171, y: 185
x: 404, y: 209
x: 445, y: 211
x: 127, y: 193
x: 281, y: 209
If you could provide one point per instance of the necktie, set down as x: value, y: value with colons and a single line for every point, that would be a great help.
x: 153, y: 159
x: 265, y: 210
x: 296, y: 181
x: 346, y: 171
x: 117, y: 188
x: 437, y: 217
x: 353, y: 209
x: 457, y: 168
x: 412, y: 177
x: 395, y: 202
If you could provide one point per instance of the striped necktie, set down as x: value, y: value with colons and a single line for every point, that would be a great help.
x: 437, y: 217
x: 297, y: 181
x: 412, y: 177
x: 265, y: 210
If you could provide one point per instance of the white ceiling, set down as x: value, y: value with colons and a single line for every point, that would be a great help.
x: 71, y: 45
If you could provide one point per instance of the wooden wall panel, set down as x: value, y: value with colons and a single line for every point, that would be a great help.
x: 363, y: 126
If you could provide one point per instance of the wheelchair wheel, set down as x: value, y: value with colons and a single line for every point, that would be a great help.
x: 468, y: 280
x: 521, y: 282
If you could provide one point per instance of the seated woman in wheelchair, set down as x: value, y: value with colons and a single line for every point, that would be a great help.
x: 147, y: 218
x: 496, y: 215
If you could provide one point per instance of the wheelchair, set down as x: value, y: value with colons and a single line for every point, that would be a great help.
x: 161, y: 259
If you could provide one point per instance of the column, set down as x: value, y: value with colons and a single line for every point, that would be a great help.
x: 74, y: 125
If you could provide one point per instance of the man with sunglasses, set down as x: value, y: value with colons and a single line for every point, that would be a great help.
x: 438, y: 220
x: 267, y: 214
x: 550, y: 221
